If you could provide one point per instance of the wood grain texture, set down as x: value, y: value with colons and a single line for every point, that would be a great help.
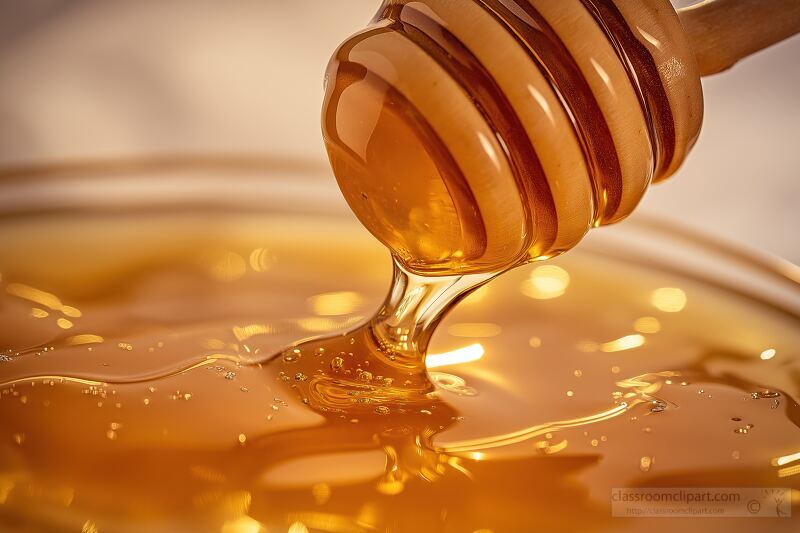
x: 724, y: 31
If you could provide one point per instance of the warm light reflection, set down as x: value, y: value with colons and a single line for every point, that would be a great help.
x: 627, y: 342
x: 668, y: 299
x: 215, y: 344
x: 545, y: 447
x: 786, y: 459
x: 322, y: 325
x: 321, y: 493
x: 34, y: 295
x: 768, y: 354
x: 542, y: 101
x: 602, y: 73
x: 474, y: 329
x: 647, y: 324
x: 207, y: 474
x: 62, y: 379
x: 297, y: 527
x: 316, y: 324
x: 243, y: 333
x: 650, y: 38
x: 227, y: 266
x: 535, y: 431
x: 71, y: 312
x: 546, y: 282
x: 467, y: 354
x: 489, y: 149
x: 243, y: 524
x: 335, y: 303
x: 452, y: 384
x: 85, y: 338
x: 789, y: 471
x: 42, y: 298
x: 261, y: 260
x: 332, y: 523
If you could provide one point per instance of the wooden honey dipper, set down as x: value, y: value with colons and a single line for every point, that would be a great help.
x: 474, y: 135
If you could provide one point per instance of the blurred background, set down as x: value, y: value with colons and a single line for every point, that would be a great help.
x: 93, y: 80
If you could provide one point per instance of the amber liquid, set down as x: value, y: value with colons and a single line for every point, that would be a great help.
x: 153, y: 381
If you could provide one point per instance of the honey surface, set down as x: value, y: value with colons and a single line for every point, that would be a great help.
x: 150, y: 383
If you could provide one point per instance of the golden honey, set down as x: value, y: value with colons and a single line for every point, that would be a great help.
x: 155, y: 379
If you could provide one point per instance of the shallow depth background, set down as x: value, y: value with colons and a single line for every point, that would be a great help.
x: 92, y: 80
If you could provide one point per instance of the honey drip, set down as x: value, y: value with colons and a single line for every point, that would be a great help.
x: 380, y: 365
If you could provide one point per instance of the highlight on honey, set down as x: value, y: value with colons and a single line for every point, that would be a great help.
x: 668, y: 299
x: 546, y: 282
x: 466, y: 354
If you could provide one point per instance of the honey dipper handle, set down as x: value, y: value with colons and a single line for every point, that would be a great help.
x: 724, y: 31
